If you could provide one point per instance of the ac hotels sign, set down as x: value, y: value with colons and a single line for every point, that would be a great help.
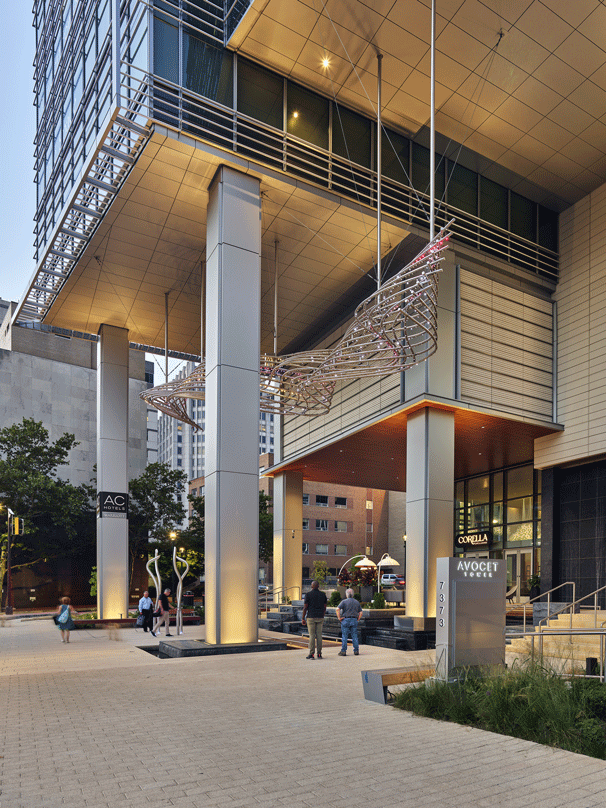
x: 112, y: 503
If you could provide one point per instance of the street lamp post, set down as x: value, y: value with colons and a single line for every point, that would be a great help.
x: 173, y: 538
x: 385, y: 559
x: 9, y: 569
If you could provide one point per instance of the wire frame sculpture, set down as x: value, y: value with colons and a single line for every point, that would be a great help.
x: 392, y: 330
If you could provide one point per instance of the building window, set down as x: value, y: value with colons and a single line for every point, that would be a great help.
x: 305, y: 548
x: 341, y: 527
x: 340, y: 549
x: 321, y: 524
x: 322, y: 500
x: 321, y: 549
x: 305, y: 499
x: 306, y: 524
x: 369, y: 505
x: 340, y: 502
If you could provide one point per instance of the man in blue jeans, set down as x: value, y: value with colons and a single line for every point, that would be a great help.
x: 349, y: 612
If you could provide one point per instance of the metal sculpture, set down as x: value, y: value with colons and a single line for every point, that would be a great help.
x: 179, y: 618
x: 155, y: 578
x: 392, y: 330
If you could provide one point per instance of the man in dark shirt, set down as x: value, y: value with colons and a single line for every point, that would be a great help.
x: 349, y: 612
x: 164, y: 614
x: 314, y: 607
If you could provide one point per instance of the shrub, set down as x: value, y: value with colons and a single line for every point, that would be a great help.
x: 378, y: 602
x: 335, y: 598
x: 528, y: 701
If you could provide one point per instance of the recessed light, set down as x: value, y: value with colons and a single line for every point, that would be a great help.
x: 325, y: 63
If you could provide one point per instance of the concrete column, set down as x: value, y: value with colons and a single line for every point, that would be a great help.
x: 288, y: 527
x: 233, y: 297
x: 112, y: 472
x: 429, y: 508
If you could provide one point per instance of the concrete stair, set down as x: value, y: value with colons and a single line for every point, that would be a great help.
x: 561, y: 646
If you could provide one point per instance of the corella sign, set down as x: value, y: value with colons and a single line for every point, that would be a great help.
x: 471, y: 541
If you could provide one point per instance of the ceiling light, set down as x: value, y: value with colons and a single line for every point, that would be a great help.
x: 325, y: 63
x: 296, y: 115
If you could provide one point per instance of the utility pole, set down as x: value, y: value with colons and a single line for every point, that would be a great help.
x: 9, y: 571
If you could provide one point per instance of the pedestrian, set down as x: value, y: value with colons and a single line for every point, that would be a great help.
x: 349, y: 612
x: 164, y: 614
x: 63, y: 618
x: 146, y: 608
x: 314, y: 607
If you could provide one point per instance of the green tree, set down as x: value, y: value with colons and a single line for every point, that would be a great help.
x: 266, y: 528
x: 320, y: 571
x: 57, y: 515
x: 155, y: 509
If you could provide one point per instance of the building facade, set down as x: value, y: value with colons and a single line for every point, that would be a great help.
x: 196, y: 156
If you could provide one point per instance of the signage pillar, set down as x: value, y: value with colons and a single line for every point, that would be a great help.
x: 233, y: 303
x: 470, y: 614
x: 112, y: 472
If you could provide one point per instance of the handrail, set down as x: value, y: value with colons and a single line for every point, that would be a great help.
x: 575, y: 603
x: 542, y: 595
x: 551, y: 632
x: 278, y: 589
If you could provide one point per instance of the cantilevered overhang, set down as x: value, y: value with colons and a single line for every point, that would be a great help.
x: 374, y: 455
x: 519, y: 82
x: 152, y: 240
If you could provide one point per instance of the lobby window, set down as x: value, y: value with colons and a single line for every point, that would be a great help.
x: 351, y: 135
x: 166, y: 49
x: 395, y: 151
x: 321, y: 524
x: 340, y: 502
x: 207, y: 70
x: 322, y: 500
x: 420, y: 170
x: 463, y: 188
x: 306, y: 524
x: 305, y: 548
x: 340, y: 549
x: 321, y: 549
x: 260, y: 94
x: 307, y: 115
x: 341, y: 527
x: 493, y: 203
x: 523, y: 217
x: 305, y: 499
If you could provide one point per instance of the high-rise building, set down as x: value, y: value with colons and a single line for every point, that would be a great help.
x: 192, y: 155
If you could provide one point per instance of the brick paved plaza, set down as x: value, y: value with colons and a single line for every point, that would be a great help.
x: 99, y: 723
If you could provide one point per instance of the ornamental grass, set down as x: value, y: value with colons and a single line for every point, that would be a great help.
x: 528, y: 701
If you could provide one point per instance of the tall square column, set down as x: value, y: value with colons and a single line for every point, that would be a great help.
x: 231, y: 484
x: 112, y: 472
x: 288, y: 526
x: 429, y: 508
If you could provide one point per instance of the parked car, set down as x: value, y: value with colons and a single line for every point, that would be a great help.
x: 389, y: 579
x: 263, y: 588
x: 401, y: 580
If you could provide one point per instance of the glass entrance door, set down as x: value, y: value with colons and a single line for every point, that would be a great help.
x: 518, y: 572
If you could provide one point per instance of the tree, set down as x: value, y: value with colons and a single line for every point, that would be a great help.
x: 320, y: 571
x: 57, y: 514
x: 266, y: 528
x: 155, y: 509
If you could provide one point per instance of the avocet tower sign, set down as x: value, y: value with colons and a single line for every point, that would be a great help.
x: 470, y: 614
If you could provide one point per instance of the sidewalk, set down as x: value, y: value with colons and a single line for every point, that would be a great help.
x: 100, y: 723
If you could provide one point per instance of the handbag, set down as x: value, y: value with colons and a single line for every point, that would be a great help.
x: 139, y: 621
x: 157, y: 613
x: 63, y: 616
x: 56, y: 619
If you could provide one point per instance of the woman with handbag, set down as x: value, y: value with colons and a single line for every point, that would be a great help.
x: 63, y: 618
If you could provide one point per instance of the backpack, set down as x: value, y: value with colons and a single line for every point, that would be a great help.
x: 64, y: 615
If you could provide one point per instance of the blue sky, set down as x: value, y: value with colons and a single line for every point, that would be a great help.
x: 17, y: 128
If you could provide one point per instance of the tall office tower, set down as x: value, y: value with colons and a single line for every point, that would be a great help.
x: 185, y: 146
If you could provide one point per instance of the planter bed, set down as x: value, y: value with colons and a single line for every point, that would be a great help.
x: 129, y: 622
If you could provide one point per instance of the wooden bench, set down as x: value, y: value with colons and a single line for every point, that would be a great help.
x: 376, y: 682
x: 394, y: 595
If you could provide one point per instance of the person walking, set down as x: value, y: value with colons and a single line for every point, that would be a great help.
x: 63, y: 618
x: 314, y: 608
x: 164, y: 614
x: 349, y: 612
x: 146, y: 608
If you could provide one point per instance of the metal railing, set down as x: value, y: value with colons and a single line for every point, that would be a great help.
x: 575, y: 603
x: 573, y: 632
x: 516, y: 606
x: 275, y: 592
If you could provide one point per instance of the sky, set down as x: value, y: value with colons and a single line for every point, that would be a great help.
x: 17, y: 129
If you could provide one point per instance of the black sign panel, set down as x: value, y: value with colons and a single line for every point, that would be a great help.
x: 482, y: 539
x: 112, y: 503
